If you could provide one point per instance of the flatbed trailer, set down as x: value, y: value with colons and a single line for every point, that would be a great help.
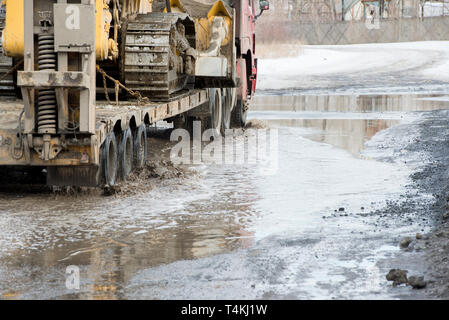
x: 79, y: 162
x: 198, y: 58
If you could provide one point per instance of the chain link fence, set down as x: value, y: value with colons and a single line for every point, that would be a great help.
x: 429, y: 22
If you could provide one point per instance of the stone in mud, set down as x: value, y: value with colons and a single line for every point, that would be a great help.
x: 110, y: 191
x: 418, y: 236
x: 256, y: 124
x: 398, y: 276
x: 446, y: 216
x: 160, y: 171
x: 417, y: 282
x: 405, y: 242
x: 341, y: 209
x: 440, y: 234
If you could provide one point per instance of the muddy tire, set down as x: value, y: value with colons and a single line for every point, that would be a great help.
x: 126, y: 154
x: 184, y: 122
x: 110, y: 159
x: 226, y: 111
x: 239, y: 114
x: 215, y: 107
x: 188, y: 125
x: 140, y: 146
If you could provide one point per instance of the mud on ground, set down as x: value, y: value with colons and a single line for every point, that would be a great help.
x: 147, y: 178
x: 425, y: 148
x: 433, y: 178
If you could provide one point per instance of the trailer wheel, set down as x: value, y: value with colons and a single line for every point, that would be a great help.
x: 227, y: 109
x: 238, y: 119
x: 126, y: 154
x: 140, y: 146
x: 188, y: 125
x: 215, y: 107
x: 110, y: 161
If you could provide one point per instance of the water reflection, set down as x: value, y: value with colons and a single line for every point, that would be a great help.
x: 349, y: 103
x: 112, y: 239
x: 348, y: 134
x: 346, y: 122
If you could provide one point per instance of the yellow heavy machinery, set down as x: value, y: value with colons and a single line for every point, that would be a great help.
x: 184, y: 60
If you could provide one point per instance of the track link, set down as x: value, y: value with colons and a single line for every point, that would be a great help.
x: 149, y: 63
x: 6, y: 63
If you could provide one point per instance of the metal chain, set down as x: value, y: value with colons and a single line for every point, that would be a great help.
x: 17, y: 65
x: 118, y: 84
x: 106, y: 89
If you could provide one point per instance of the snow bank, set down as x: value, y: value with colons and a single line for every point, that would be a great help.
x: 428, y: 60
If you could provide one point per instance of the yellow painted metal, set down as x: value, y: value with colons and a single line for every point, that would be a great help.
x: 176, y: 6
x: 103, y: 25
x: 108, y: 47
x: 203, y: 24
x: 136, y: 6
x: 202, y: 33
x: 219, y: 10
x: 13, y: 34
x: 145, y: 6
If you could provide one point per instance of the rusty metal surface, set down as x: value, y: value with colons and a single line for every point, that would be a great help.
x: 108, y: 115
x: 76, y: 152
x: 52, y: 79
x: 199, y: 9
x: 81, y: 175
x: 9, y: 113
x: 150, y: 63
x: 70, y: 156
x: 80, y: 39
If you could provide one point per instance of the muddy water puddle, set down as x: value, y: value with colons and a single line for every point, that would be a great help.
x: 227, y: 231
x: 345, y: 121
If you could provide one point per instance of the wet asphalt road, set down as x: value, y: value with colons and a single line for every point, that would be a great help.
x: 327, y: 224
x: 309, y: 231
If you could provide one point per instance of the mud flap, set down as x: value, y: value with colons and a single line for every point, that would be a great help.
x: 82, y: 176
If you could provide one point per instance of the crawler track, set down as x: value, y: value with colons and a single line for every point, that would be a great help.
x: 148, y: 61
x: 6, y: 63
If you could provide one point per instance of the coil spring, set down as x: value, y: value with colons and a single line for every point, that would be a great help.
x: 46, y: 101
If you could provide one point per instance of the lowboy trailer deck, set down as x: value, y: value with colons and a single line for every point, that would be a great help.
x: 63, y: 58
x: 79, y: 163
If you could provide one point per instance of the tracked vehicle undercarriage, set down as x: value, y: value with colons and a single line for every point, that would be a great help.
x: 158, y: 54
x: 155, y: 53
x: 185, y: 61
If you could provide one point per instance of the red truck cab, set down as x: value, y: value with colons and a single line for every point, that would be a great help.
x: 246, y: 54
